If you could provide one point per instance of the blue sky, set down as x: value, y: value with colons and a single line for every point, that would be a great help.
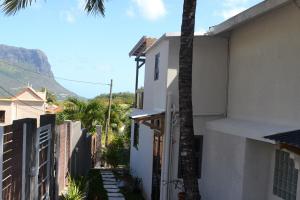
x: 96, y: 49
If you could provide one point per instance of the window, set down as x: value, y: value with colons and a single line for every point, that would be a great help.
x: 136, y: 135
x: 2, y: 116
x: 285, y: 176
x: 156, y: 68
x: 198, y: 147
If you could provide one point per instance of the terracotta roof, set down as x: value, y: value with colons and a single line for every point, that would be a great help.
x: 143, y: 44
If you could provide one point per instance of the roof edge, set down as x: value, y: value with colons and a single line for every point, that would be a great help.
x: 247, y: 15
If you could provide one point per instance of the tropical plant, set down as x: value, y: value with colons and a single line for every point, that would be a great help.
x: 187, y: 153
x: 116, y: 152
x: 10, y: 7
x: 90, y: 113
x: 75, y: 189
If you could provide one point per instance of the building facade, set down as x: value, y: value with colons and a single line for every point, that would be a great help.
x: 246, y: 78
x: 26, y: 104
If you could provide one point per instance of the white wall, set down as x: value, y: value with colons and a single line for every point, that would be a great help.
x: 155, y: 93
x: 264, y: 68
x: 209, y: 73
x: 7, y: 107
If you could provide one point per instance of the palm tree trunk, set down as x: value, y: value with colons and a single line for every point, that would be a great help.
x: 185, y: 101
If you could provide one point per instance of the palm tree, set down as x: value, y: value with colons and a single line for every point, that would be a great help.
x: 89, y: 113
x: 185, y: 84
x: 10, y: 7
x: 187, y: 154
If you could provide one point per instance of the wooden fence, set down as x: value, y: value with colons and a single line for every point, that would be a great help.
x: 35, y: 161
x: 26, y: 154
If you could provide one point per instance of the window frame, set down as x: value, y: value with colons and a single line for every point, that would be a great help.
x: 2, y: 116
x: 285, y: 177
x: 156, y: 67
x: 198, y: 141
x: 136, y: 135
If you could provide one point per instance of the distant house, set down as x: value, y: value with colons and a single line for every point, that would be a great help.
x: 28, y: 103
x: 246, y: 103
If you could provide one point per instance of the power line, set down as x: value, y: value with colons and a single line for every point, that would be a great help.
x: 62, y: 78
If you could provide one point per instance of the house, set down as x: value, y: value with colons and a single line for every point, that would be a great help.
x: 246, y: 104
x: 27, y: 103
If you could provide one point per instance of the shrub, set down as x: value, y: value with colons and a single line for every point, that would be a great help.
x: 116, y: 152
x: 75, y: 189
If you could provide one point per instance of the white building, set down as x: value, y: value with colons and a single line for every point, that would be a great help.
x: 26, y: 104
x: 246, y: 77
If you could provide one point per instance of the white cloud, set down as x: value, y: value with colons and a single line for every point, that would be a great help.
x: 68, y: 16
x: 74, y: 12
x: 150, y: 9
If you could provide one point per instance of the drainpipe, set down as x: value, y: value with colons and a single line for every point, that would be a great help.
x: 227, y: 77
x: 167, y: 165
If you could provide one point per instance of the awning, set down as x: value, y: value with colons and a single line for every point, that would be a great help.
x: 290, y: 138
x: 151, y: 118
x: 139, y: 113
x: 249, y: 129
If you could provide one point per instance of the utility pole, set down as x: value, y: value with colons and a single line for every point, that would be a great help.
x: 108, y: 115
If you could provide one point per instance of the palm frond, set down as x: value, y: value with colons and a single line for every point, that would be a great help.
x: 95, y: 7
x: 10, y: 7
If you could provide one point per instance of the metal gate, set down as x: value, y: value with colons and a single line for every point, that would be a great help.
x: 43, y: 149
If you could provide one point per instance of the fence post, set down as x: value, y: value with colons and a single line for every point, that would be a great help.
x: 45, y: 120
x: 98, y: 146
x: 24, y: 161
x: 30, y: 183
x: 1, y: 158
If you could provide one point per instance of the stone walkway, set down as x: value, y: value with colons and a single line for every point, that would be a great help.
x: 110, y: 185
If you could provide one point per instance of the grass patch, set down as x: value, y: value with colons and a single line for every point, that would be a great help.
x: 96, y: 189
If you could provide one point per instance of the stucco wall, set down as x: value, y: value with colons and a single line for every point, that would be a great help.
x: 222, y: 172
x: 29, y: 109
x: 155, y: 90
x: 141, y: 159
x: 264, y: 68
x: 7, y: 107
x: 209, y: 73
x: 258, y: 164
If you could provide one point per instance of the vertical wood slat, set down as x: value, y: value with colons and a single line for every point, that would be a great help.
x: 24, y: 162
x: 1, y: 158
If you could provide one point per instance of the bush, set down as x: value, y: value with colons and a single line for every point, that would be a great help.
x: 116, y: 152
x: 75, y: 189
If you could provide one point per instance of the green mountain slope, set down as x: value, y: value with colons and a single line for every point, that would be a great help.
x: 20, y: 67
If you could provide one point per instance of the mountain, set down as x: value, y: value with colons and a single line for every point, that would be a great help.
x: 20, y: 67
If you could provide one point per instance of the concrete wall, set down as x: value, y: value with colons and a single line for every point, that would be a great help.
x: 222, y: 169
x: 7, y: 107
x: 264, y: 68
x: 141, y: 159
x: 28, y: 109
x: 155, y: 93
x: 209, y: 73
x: 258, y: 164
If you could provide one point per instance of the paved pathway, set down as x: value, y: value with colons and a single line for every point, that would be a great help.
x: 110, y: 185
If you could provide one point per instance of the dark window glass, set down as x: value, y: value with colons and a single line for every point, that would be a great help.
x: 198, y: 147
x: 285, y: 176
x: 2, y: 116
x: 136, y: 135
x: 156, y: 68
